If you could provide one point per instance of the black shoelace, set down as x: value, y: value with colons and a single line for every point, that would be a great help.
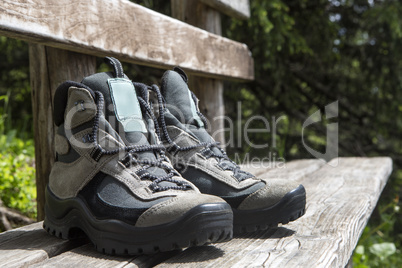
x: 131, y: 150
x: 207, y: 151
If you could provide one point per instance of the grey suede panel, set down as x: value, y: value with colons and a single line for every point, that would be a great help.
x: 66, y: 157
x: 67, y: 179
x: 108, y: 142
x: 80, y: 107
x: 182, y: 139
x: 61, y: 144
x: 195, y: 159
x: 271, y: 194
x: 77, y: 142
x: 174, y: 208
x: 211, y: 167
x: 137, y: 186
x: 117, y: 170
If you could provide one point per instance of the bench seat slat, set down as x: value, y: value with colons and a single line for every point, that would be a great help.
x: 88, y: 256
x: 76, y: 254
x: 340, y: 201
x: 29, y: 245
x: 294, y: 170
x: 127, y: 31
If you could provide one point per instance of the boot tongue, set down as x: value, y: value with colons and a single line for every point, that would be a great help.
x: 178, y: 97
x: 123, y: 111
x: 183, y: 107
x: 181, y: 104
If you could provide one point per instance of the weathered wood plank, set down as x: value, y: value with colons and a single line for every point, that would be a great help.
x: 6, y: 236
x: 32, y: 246
x: 127, y: 31
x: 29, y: 245
x: 235, y: 8
x: 339, y: 202
x: 48, y: 68
x: 260, y: 168
x: 294, y: 170
x: 87, y: 256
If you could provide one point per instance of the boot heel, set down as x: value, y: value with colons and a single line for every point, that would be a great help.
x: 59, y: 231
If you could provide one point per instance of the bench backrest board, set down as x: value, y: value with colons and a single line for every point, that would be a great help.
x: 127, y: 31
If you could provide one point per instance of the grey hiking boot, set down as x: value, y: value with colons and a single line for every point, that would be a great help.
x: 256, y: 204
x: 119, y: 188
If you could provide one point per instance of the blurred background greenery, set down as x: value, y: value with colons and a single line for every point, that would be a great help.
x: 307, y: 55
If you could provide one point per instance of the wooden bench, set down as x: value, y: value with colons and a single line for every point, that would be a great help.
x: 339, y: 203
x: 65, y: 36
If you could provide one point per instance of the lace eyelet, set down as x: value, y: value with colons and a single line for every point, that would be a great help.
x: 81, y: 108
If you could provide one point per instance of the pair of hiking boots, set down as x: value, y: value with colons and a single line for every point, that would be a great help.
x: 137, y: 172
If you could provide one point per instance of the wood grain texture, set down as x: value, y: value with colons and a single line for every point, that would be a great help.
x: 12, y: 234
x: 208, y: 90
x: 295, y: 169
x: 127, y: 31
x: 239, y: 9
x: 197, y: 14
x: 261, y: 167
x: 29, y: 245
x: 32, y: 246
x: 87, y: 256
x: 48, y: 68
x: 339, y: 203
x: 71, y: 255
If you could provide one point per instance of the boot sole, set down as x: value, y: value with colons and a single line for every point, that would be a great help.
x: 203, y: 224
x: 291, y: 207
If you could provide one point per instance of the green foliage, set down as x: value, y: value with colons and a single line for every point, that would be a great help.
x: 311, y: 53
x: 378, y: 245
x: 17, y: 172
x: 15, y: 100
x: 17, y: 182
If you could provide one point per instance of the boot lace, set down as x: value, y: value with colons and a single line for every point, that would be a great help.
x: 130, y: 157
x: 223, y: 160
